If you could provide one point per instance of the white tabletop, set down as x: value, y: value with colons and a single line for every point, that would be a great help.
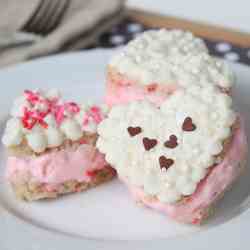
x: 232, y: 14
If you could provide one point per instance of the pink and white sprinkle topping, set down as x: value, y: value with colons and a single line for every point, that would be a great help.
x: 44, y: 120
x: 34, y: 116
x: 93, y: 114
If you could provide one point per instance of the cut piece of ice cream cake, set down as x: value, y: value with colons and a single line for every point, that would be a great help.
x: 51, y: 146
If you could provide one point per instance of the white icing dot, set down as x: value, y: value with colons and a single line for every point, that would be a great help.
x: 13, y: 124
x: 198, y: 174
x: 223, y: 47
x: 54, y: 137
x: 71, y: 129
x: 13, y: 133
x: 196, y: 151
x: 50, y: 120
x: 151, y: 183
x: 216, y: 148
x: 36, y: 129
x: 169, y: 196
x: 37, y: 141
x: 188, y: 188
x: 214, y: 115
x: 232, y: 56
x: 138, y: 59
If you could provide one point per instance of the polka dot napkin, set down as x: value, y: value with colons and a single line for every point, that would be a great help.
x: 127, y: 30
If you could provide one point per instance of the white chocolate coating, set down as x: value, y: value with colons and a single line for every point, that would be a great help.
x: 171, y: 57
x: 212, y: 115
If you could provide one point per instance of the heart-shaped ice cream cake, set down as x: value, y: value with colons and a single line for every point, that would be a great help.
x: 167, y: 151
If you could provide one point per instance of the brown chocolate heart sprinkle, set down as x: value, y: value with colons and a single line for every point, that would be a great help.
x: 172, y: 142
x: 165, y: 162
x: 149, y: 143
x: 134, y: 131
x: 188, y: 125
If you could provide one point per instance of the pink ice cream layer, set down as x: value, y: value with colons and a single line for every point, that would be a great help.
x: 58, y: 167
x: 122, y: 92
x: 194, y: 209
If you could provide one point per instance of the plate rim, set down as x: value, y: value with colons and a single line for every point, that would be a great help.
x: 237, y: 227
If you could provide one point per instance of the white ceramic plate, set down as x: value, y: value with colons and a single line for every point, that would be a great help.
x: 106, y: 217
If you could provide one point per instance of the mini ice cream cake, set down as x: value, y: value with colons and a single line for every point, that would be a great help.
x: 51, y: 146
x: 158, y: 62
x: 178, y: 158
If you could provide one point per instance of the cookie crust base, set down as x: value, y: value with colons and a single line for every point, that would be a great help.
x: 29, y: 190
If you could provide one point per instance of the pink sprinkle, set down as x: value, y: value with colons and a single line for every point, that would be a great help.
x: 43, y: 123
x: 196, y: 221
x: 25, y: 113
x: 59, y: 115
x: 95, y: 113
x: 72, y: 107
x: 51, y: 103
x: 31, y: 96
x: 30, y: 118
x: 95, y: 109
x: 34, y: 116
x: 85, y: 121
x: 29, y: 123
x: 91, y: 173
x: 83, y: 141
x: 42, y: 114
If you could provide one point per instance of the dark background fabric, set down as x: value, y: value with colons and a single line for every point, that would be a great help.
x: 128, y: 29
